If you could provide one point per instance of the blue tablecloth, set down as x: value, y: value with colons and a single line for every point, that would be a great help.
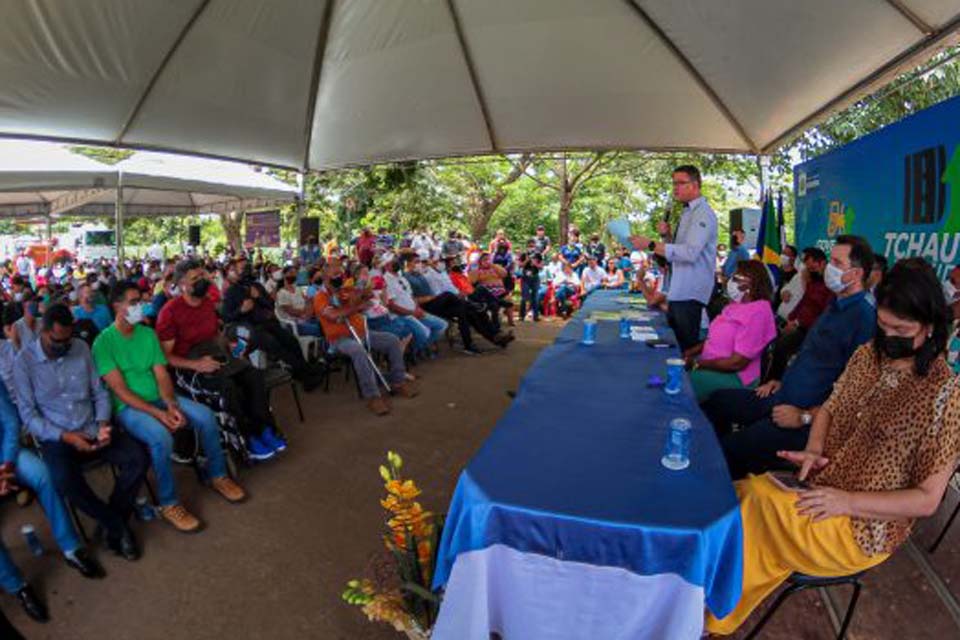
x: 572, y: 471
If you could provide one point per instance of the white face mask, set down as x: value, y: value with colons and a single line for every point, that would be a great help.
x: 833, y: 278
x: 18, y: 297
x: 950, y: 292
x: 785, y: 262
x: 134, y: 314
x: 278, y: 275
x: 733, y: 290
x: 72, y: 296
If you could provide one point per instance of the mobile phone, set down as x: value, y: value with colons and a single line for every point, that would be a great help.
x: 788, y: 481
x: 660, y: 344
x: 240, y: 348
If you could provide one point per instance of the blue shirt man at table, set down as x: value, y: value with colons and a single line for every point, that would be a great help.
x: 692, y: 256
x: 64, y: 406
x: 738, y: 253
x: 778, y: 414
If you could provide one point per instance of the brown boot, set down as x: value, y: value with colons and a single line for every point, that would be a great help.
x: 179, y: 517
x: 406, y: 390
x: 378, y: 406
x: 230, y: 490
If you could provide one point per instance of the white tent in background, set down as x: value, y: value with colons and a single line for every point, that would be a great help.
x: 42, y: 180
x: 314, y: 84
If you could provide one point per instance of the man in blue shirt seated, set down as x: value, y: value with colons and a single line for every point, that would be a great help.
x: 64, y: 406
x: 22, y: 468
x: 778, y: 414
x: 87, y: 310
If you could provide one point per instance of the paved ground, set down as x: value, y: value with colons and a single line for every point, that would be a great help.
x: 274, y: 567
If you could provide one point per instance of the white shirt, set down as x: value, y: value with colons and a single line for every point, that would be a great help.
x: 439, y: 282
x: 398, y: 290
x: 287, y: 298
x: 592, y: 277
x: 693, y: 254
x: 795, y: 287
x: 563, y: 278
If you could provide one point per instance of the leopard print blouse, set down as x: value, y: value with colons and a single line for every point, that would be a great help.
x: 890, y: 430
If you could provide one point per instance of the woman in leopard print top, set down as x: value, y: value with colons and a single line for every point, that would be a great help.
x: 880, y: 453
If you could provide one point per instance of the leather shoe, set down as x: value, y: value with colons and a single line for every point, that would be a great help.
x: 125, y: 546
x: 32, y: 605
x: 86, y: 564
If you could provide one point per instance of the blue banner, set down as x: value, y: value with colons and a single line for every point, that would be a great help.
x: 898, y: 187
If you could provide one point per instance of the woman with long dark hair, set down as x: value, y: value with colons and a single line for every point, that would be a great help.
x: 880, y: 452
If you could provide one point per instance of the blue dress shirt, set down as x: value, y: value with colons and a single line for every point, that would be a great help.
x: 693, y: 254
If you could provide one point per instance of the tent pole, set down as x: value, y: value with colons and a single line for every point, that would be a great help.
x: 49, y: 230
x: 118, y: 223
x: 301, y: 204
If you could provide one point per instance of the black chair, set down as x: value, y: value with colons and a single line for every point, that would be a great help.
x: 799, y: 582
x: 946, y: 527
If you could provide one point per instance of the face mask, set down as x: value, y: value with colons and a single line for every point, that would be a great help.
x: 336, y: 282
x: 34, y: 308
x: 895, y: 347
x: 733, y: 290
x: 174, y: 290
x: 72, y: 296
x: 785, y: 262
x: 200, y: 288
x: 278, y: 275
x: 290, y: 279
x: 18, y: 297
x: 134, y: 314
x: 833, y: 277
x: 58, y: 350
x: 949, y: 291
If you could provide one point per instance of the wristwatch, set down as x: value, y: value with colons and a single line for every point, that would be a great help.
x: 806, y: 418
x: 652, y: 246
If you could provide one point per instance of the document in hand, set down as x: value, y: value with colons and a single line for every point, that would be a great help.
x: 620, y: 229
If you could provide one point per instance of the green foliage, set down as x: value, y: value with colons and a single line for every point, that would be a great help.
x: 105, y: 155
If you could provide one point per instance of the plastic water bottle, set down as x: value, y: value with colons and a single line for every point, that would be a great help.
x: 145, y: 511
x: 674, y: 375
x: 677, y: 452
x: 33, y: 542
x: 624, y: 327
x: 589, y: 331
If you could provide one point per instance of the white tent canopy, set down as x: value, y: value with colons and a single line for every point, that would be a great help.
x: 326, y: 83
x: 41, y: 179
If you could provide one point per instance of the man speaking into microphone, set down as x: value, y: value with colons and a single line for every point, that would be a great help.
x: 692, y: 254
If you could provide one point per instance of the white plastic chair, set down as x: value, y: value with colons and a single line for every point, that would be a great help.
x: 310, y: 345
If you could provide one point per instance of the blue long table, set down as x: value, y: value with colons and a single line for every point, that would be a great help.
x: 572, y: 471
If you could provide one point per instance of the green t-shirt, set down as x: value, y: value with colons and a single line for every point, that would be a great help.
x: 135, y: 356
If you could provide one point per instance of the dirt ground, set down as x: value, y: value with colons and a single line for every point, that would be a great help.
x: 274, y: 567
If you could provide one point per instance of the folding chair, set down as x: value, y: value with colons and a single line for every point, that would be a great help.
x: 276, y: 374
x: 954, y: 480
x: 309, y: 345
x: 799, y: 582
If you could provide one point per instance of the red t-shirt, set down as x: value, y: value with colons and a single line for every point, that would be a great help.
x: 187, y: 326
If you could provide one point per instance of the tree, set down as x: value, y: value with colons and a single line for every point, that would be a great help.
x: 481, y: 186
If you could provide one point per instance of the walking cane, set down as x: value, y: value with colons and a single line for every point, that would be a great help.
x: 366, y: 352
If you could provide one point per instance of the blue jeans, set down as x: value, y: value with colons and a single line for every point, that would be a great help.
x: 309, y: 328
x: 530, y: 294
x: 148, y: 430
x: 32, y: 473
x: 426, y: 330
x: 385, y: 323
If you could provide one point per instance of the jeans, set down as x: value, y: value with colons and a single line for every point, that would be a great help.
x: 684, y: 317
x: 309, y: 328
x: 530, y: 294
x: 381, y: 342
x: 66, y: 470
x: 32, y: 473
x: 394, y: 325
x: 159, y: 442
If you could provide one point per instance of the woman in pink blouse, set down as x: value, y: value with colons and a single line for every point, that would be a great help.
x: 730, y: 356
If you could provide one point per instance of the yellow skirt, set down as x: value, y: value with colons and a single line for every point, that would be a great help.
x: 777, y: 541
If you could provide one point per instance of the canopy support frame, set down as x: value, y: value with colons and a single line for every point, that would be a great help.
x: 474, y: 77
x: 313, y: 94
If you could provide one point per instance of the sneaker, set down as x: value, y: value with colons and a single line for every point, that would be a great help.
x: 471, y: 351
x: 257, y: 449
x: 378, y: 406
x: 273, y: 439
x: 230, y: 490
x: 180, y: 518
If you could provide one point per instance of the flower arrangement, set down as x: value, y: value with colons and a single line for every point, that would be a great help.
x: 399, y: 593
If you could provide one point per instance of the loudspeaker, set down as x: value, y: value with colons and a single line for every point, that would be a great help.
x: 194, y: 235
x: 309, y: 227
x: 748, y: 221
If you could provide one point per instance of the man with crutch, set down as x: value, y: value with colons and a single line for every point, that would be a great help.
x: 340, y: 310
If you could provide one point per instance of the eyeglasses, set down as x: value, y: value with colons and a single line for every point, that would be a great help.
x: 679, y: 183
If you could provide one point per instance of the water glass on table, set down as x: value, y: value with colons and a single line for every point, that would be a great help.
x: 674, y: 375
x: 676, y: 454
x: 589, y: 331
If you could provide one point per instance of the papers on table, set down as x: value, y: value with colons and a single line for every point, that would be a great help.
x: 620, y: 229
x: 642, y: 333
x: 605, y: 315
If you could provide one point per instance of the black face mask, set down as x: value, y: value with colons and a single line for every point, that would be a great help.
x: 200, y: 288
x: 337, y: 282
x: 894, y: 347
x: 58, y: 349
x: 816, y: 276
x: 290, y: 279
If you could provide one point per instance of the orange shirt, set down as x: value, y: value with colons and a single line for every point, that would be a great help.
x: 461, y: 282
x: 334, y: 331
